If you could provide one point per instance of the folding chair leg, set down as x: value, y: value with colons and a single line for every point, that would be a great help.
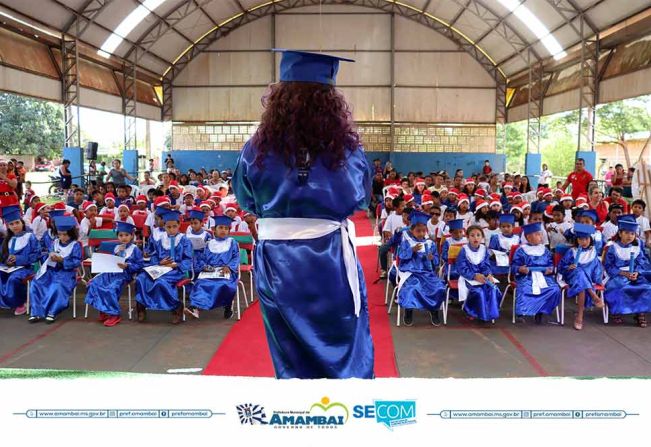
x: 445, y: 306
x: 562, y: 320
x: 74, y: 303
x: 246, y: 297
x: 29, y: 283
x: 605, y: 312
x: 86, y: 311
x: 513, y: 312
x: 393, y: 294
x: 398, y: 315
x: 506, y: 290
x: 386, y: 292
x: 251, y: 286
x: 239, y: 315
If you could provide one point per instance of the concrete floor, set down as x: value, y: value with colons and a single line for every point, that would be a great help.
x: 461, y: 349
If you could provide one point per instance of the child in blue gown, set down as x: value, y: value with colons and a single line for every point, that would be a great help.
x: 588, y: 217
x: 221, y: 253
x: 20, y: 248
x: 502, y: 243
x: 172, y: 250
x: 482, y: 300
x: 198, y: 237
x: 105, y: 289
x: 581, y: 270
x: 627, y: 291
x: 456, y: 239
x: 420, y: 288
x: 55, y: 282
x: 537, y: 292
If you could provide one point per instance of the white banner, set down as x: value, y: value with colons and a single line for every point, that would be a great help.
x: 112, y: 409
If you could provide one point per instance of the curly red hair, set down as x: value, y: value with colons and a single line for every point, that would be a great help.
x: 305, y: 115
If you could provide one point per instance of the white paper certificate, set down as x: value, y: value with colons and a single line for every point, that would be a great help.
x: 156, y: 271
x: 217, y: 274
x: 105, y: 263
x: 7, y: 269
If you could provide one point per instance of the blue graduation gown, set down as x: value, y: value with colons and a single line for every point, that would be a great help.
x: 156, y: 233
x: 587, y: 273
x: 50, y: 294
x: 211, y: 293
x: 162, y: 294
x: 502, y: 243
x: 622, y: 295
x: 597, y: 239
x: 483, y: 300
x: 204, y: 236
x: 422, y: 289
x: 105, y: 289
x: 527, y: 303
x: 305, y: 297
x: 13, y: 291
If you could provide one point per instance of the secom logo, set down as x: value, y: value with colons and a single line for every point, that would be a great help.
x: 391, y: 413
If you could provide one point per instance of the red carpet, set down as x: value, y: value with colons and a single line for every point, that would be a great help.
x: 244, y: 351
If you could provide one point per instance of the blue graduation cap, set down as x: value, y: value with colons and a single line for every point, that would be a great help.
x: 583, y: 230
x: 507, y: 218
x: 57, y: 213
x: 538, y: 207
x: 626, y: 224
x: 11, y: 213
x: 456, y: 224
x: 628, y: 217
x: 124, y: 227
x: 532, y: 228
x: 592, y: 214
x: 223, y: 220
x: 171, y: 216
x: 65, y: 223
x: 160, y: 211
x: 302, y: 66
x: 418, y: 217
x: 451, y: 209
x: 197, y: 214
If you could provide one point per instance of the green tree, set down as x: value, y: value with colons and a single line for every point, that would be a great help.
x: 617, y: 120
x: 516, y: 146
x: 30, y: 127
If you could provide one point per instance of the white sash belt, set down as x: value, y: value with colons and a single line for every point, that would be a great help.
x: 538, y: 282
x: 296, y: 228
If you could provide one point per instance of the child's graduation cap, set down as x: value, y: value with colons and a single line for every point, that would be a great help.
x: 65, y: 223
x: 418, y: 218
x: 197, y: 213
x: 171, y: 215
x: 301, y: 66
x: 532, y: 228
x: 583, y: 230
x: 11, y: 213
x: 124, y: 227
x: 223, y: 220
x: 456, y: 224
x: 627, y: 224
x: 507, y: 218
x: 592, y: 214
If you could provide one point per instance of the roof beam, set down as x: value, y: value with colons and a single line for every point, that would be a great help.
x: 459, y: 14
x: 213, y: 21
x: 483, y: 36
x: 163, y: 21
x: 87, y: 13
x: 99, y: 25
x: 239, y: 5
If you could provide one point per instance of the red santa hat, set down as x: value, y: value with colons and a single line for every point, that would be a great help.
x: 427, y: 199
x: 230, y: 207
x: 453, y: 191
x: 419, y: 181
x: 480, y: 192
x: 549, y: 211
x: 468, y: 181
x: 525, y: 205
x: 124, y: 205
x: 174, y: 185
x: 507, y: 185
x: 566, y: 197
x: 409, y: 198
x: 480, y: 203
x: 159, y: 201
x: 141, y: 199
x: 547, y: 192
x: 463, y: 198
x: 86, y: 205
x: 109, y: 196
x: 38, y: 207
x: 206, y: 204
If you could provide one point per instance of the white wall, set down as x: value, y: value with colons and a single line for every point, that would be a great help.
x: 435, y: 81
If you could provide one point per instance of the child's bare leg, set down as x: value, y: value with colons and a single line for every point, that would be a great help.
x: 596, y: 299
x: 578, y: 320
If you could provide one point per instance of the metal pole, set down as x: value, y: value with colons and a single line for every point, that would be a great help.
x: 393, y: 83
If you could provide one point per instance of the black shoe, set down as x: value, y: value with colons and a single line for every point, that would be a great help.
x: 228, y: 313
x: 538, y: 318
x: 408, y: 319
x: 434, y: 317
x: 34, y: 319
x: 50, y: 319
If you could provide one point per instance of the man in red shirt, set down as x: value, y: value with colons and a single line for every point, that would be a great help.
x: 579, y: 178
x: 615, y: 197
x: 8, y: 185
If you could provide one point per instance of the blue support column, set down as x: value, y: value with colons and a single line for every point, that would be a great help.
x: 76, y: 157
x: 130, y: 162
x: 532, y: 166
x: 590, y: 158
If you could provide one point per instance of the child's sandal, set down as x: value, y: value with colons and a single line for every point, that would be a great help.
x: 617, y: 319
x: 641, y: 320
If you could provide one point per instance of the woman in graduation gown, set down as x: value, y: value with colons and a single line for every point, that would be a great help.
x: 172, y: 249
x: 50, y: 293
x: 627, y: 290
x: 22, y: 249
x: 420, y: 287
x: 537, y: 292
x: 105, y: 289
x: 224, y: 251
x: 482, y: 301
x: 303, y: 173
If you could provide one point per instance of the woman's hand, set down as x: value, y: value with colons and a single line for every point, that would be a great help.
x: 165, y: 262
x: 11, y: 260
